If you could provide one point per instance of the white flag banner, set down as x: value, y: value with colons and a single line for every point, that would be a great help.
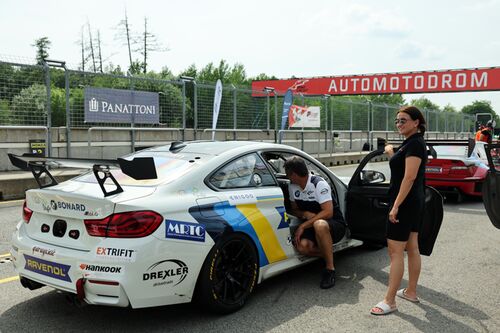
x: 217, y: 100
x: 303, y: 116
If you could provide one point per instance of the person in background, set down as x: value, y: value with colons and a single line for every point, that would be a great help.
x: 478, y: 133
x: 487, y: 133
x: 323, y: 223
x: 407, y: 204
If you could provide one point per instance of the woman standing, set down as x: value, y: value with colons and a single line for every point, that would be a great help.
x: 407, y: 199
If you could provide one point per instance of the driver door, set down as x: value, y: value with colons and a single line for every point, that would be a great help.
x: 368, y: 204
x: 491, y: 185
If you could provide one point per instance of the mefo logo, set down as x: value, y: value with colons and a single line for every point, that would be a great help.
x: 184, y: 230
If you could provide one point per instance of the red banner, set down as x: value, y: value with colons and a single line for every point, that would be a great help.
x: 481, y: 79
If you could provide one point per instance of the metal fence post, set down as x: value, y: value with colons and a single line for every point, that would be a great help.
x: 275, y: 117
x: 195, y: 88
x: 183, y: 110
x: 268, y: 109
x: 234, y: 111
x: 132, y: 125
x: 68, y: 115
x: 49, y: 112
x: 386, y: 117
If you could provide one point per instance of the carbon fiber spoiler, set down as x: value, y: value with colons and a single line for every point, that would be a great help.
x: 138, y: 168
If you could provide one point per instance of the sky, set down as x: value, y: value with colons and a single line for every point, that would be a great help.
x: 281, y: 38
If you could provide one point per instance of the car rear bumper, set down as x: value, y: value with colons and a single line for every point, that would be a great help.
x: 470, y: 187
x: 111, y: 281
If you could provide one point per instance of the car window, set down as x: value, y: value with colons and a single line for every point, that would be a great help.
x: 277, y: 162
x: 246, y: 171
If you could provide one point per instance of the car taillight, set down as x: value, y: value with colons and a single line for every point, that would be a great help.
x: 125, y: 225
x: 26, y: 213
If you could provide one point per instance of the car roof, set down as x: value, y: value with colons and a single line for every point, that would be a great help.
x: 215, y: 147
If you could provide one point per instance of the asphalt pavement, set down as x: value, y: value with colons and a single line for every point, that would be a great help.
x: 458, y: 290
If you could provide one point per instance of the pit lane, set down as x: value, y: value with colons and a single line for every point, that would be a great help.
x: 458, y: 290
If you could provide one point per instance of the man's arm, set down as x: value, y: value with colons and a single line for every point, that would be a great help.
x: 325, y: 213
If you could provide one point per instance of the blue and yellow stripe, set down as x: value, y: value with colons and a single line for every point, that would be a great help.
x: 248, y: 219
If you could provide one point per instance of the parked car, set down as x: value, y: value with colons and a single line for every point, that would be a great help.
x: 165, y: 225
x: 458, y: 168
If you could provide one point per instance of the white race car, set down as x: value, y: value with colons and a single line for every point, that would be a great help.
x: 191, y: 219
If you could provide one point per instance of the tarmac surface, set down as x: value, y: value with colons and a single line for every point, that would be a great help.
x: 458, y: 289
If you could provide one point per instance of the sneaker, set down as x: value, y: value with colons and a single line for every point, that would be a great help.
x: 327, y: 279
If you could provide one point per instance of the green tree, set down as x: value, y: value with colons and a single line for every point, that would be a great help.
x: 424, y: 103
x: 42, y: 46
x: 480, y: 106
x: 29, y: 107
x: 392, y: 99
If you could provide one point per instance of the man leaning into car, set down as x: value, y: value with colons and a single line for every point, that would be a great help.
x: 323, y: 223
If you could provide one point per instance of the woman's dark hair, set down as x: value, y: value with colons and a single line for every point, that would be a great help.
x: 415, y: 114
x: 296, y: 165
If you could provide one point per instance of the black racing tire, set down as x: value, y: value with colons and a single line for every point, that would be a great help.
x: 229, y: 275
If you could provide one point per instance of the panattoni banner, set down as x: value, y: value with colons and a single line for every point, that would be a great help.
x: 453, y: 80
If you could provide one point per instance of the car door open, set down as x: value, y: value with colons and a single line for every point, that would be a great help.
x: 491, y: 186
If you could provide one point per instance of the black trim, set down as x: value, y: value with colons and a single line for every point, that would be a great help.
x: 97, y: 169
x: 139, y: 168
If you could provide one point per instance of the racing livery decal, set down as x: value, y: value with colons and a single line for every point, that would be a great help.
x: 110, y: 253
x: 166, y: 272
x: 184, y: 230
x: 100, y: 269
x: 42, y: 252
x: 247, y: 219
x: 47, y: 268
x: 284, y: 217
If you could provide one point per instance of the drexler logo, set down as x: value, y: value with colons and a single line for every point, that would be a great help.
x: 170, y: 271
x: 47, y: 268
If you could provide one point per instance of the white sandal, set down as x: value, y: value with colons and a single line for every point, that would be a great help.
x: 386, y: 309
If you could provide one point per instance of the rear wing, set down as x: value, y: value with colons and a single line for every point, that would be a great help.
x: 138, y: 168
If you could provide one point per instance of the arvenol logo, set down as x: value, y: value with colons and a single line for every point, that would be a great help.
x: 47, y: 268
x: 184, y: 230
x: 170, y: 271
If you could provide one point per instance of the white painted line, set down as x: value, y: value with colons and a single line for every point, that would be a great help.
x: 473, y: 210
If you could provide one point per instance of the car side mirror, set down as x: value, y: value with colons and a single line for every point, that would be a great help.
x: 371, y: 177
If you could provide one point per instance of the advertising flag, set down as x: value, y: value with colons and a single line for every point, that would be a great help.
x: 217, y: 100
x: 287, y: 102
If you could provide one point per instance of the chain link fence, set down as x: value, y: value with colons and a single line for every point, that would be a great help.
x: 35, y: 95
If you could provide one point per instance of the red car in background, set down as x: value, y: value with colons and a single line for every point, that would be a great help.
x: 458, y: 168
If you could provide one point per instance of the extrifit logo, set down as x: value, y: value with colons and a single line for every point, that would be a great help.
x: 184, y: 230
x: 93, y: 105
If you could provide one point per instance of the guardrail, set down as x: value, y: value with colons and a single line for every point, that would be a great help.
x: 132, y: 129
x: 234, y: 130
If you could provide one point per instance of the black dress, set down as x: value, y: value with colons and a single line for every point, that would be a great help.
x: 411, y: 210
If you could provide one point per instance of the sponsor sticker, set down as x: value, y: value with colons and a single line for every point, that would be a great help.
x: 170, y: 272
x: 115, y: 254
x: 184, y: 230
x: 241, y: 198
x: 42, y: 252
x: 92, y: 269
x: 47, y: 268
